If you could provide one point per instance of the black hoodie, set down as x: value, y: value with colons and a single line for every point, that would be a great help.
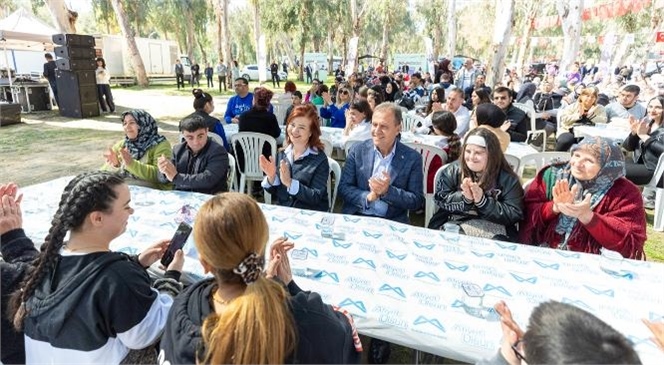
x: 323, y: 334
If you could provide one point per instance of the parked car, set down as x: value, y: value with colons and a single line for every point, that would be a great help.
x: 250, y: 72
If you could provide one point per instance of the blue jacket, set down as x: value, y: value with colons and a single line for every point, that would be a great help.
x: 406, y: 185
x: 338, y: 115
x: 312, y: 172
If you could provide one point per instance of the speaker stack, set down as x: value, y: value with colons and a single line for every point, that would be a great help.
x: 75, y: 76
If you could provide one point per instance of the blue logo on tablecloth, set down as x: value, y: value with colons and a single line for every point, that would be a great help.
x: 636, y: 341
x: 307, y: 212
x: 424, y: 320
x: 169, y: 224
x: 352, y: 220
x: 277, y: 219
x: 430, y: 275
x: 365, y: 261
x: 311, y: 251
x: 392, y: 255
x: 338, y: 243
x: 565, y: 254
x: 520, y: 279
x: 480, y: 254
x: 324, y: 273
x: 506, y: 246
x: 547, y: 266
x: 490, y: 287
x: 372, y: 235
x: 135, y: 218
x: 129, y: 250
x: 397, y: 229
x: 577, y: 303
x: 422, y: 245
x: 462, y: 268
x: 356, y: 303
x: 396, y: 289
x: 292, y: 236
x: 655, y: 317
x: 607, y: 292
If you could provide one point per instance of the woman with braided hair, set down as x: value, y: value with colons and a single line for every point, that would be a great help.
x: 241, y: 316
x: 83, y: 303
x: 136, y: 155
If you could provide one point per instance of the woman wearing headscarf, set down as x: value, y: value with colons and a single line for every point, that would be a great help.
x: 586, y: 204
x: 136, y: 156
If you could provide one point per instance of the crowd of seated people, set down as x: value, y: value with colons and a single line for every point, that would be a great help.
x: 586, y: 205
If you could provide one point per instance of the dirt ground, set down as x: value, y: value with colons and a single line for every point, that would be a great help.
x: 47, y: 146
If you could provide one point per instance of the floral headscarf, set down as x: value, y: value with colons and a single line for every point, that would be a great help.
x: 611, y: 159
x: 147, y: 133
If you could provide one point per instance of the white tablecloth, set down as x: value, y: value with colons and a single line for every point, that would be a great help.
x: 404, y: 283
x: 517, y: 149
x: 616, y: 134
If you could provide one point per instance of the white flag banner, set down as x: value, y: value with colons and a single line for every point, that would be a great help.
x: 352, y: 55
x: 262, y: 63
x: 606, y: 54
x: 428, y: 44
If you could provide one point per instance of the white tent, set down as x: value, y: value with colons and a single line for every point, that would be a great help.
x: 23, y: 31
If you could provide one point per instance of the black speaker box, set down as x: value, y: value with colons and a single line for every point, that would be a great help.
x: 77, y: 53
x: 71, y: 109
x: 78, y: 40
x: 70, y: 79
x: 75, y: 65
x: 34, y: 98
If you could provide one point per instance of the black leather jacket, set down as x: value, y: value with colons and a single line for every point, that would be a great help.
x: 502, y: 205
x: 650, y: 150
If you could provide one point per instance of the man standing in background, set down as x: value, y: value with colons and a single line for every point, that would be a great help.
x: 179, y: 74
x: 221, y: 74
x: 49, y: 73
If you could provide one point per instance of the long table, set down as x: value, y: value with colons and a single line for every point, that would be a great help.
x: 405, y: 284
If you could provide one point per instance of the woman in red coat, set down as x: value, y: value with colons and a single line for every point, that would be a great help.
x: 586, y: 204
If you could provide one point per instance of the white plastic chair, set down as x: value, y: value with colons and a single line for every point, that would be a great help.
x: 231, y: 173
x: 542, y: 159
x: 513, y: 161
x: 280, y: 112
x: 533, y: 132
x: 658, y: 222
x: 335, y: 170
x: 215, y: 137
x: 329, y: 148
x: 428, y: 153
x: 410, y: 121
x: 252, y: 147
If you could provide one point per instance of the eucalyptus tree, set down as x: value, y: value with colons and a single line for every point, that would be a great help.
x: 501, y: 34
x: 63, y: 17
x: 433, y: 14
x: 570, y: 14
x: 130, y: 41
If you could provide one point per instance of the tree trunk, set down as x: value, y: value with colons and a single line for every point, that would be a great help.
x: 203, y: 53
x: 356, y: 18
x: 63, y: 18
x: 218, y: 14
x: 288, y: 46
x: 260, y: 53
x: 128, y: 34
x: 451, y: 28
x: 383, y: 44
x: 570, y: 14
x: 526, y: 31
x: 501, y: 35
x: 301, y: 76
x: 190, y: 32
x: 226, y: 42
x: 344, y: 59
x: 330, y: 51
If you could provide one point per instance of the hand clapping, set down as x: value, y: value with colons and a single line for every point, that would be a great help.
x: 167, y: 168
x: 268, y: 167
x: 564, y: 201
x: 285, y: 173
x: 126, y: 156
x: 111, y: 157
x: 379, y: 185
x: 10, y: 208
x: 471, y: 190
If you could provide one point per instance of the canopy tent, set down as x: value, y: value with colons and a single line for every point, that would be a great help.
x: 23, y: 31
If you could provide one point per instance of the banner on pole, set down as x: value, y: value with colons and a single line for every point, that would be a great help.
x: 352, y: 55
x: 428, y: 44
x: 262, y: 62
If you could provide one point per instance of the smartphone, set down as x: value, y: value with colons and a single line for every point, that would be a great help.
x: 177, y: 242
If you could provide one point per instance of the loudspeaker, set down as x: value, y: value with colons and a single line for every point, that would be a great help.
x: 78, y: 40
x: 75, y: 65
x: 34, y: 98
x: 77, y: 91
x: 79, y: 53
x: 71, y: 79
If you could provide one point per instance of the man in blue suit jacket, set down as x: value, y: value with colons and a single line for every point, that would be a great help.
x: 382, y: 177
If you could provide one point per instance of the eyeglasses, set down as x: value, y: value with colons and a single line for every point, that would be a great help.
x: 344, y: 92
x: 517, y: 352
x: 240, y: 85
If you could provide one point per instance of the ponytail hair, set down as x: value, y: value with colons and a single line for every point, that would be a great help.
x: 200, y: 99
x: 257, y: 327
x: 86, y: 193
